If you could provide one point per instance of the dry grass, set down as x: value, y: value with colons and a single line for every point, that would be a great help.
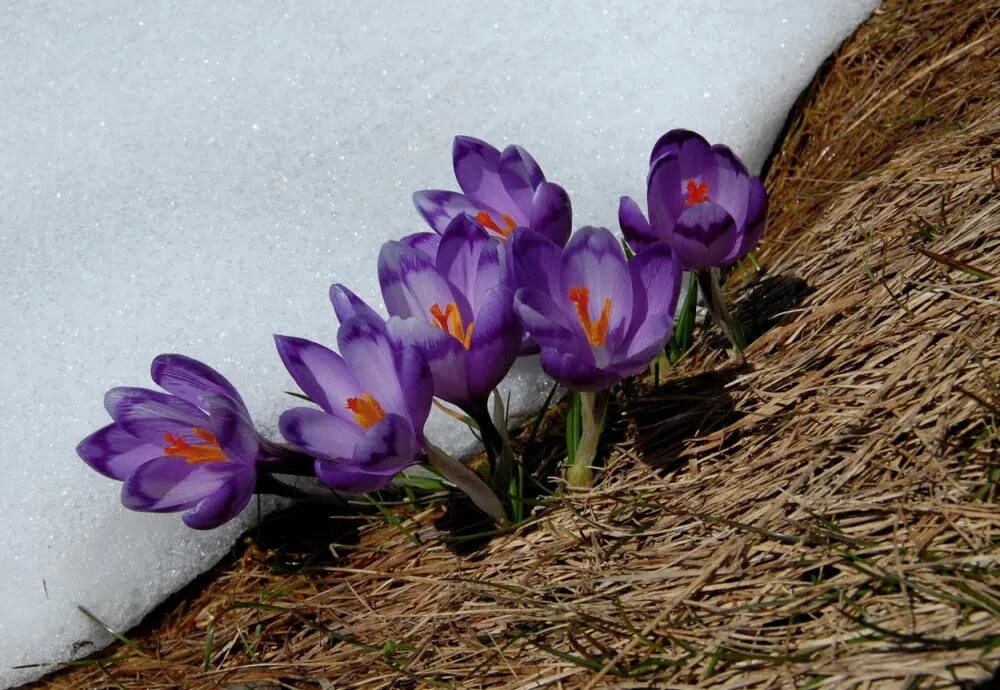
x: 825, y: 516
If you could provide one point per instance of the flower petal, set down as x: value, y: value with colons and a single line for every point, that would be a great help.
x: 427, y: 242
x: 439, y: 207
x: 756, y: 220
x: 320, y: 434
x: 446, y: 357
x: 115, y: 453
x: 190, y: 379
x: 346, y: 304
x: 167, y: 484
x: 656, y: 276
x: 575, y: 373
x: 593, y: 259
x: 150, y: 414
x: 689, y: 147
x: 477, y: 169
x: 233, y: 430
x: 647, y: 342
x: 410, y: 282
x: 537, y: 261
x: 551, y: 213
x: 520, y: 176
x: 732, y: 184
x: 384, y: 451
x: 471, y: 261
x: 418, y: 387
x: 546, y: 321
x: 634, y: 225
x: 224, y: 504
x: 496, y: 340
x: 705, y: 235
x: 365, y: 347
x: 321, y: 373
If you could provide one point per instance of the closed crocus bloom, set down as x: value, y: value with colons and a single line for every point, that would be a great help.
x: 502, y: 191
x: 598, y: 317
x: 456, y: 307
x: 373, y: 399
x: 701, y: 200
x: 192, y: 448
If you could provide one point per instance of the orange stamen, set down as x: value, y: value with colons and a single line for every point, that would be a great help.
x: 486, y: 220
x: 208, y: 451
x: 597, y: 333
x: 697, y: 193
x: 450, y: 321
x: 367, y: 411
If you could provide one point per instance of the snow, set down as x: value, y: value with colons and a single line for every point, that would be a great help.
x: 192, y: 177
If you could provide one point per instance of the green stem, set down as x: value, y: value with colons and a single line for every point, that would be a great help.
x: 592, y: 406
x: 708, y: 279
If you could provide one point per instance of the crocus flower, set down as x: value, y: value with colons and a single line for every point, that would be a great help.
x: 501, y: 191
x: 191, y: 449
x: 701, y: 200
x: 374, y: 398
x: 597, y: 317
x: 456, y: 308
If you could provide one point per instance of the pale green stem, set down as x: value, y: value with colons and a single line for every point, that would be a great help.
x: 711, y: 289
x: 581, y: 473
x: 466, y: 480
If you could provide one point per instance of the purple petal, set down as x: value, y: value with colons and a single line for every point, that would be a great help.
x: 384, y: 451
x: 634, y: 225
x: 346, y: 304
x: 552, y: 213
x: 410, y: 283
x: 320, y: 434
x: 321, y: 373
x: 115, y: 453
x: 690, y: 147
x: 732, y: 184
x: 656, y: 280
x: 594, y: 260
x: 418, y: 387
x: 648, y: 342
x: 150, y: 414
x: 546, y: 321
x: 470, y: 260
x: 439, y: 207
x: 233, y: 429
x: 705, y: 235
x: 520, y: 176
x: 446, y: 357
x: 365, y: 347
x: 477, y: 169
x: 575, y: 373
x: 190, y: 379
x: 168, y: 484
x: 756, y: 220
x: 427, y: 242
x: 537, y: 261
x: 665, y: 194
x: 496, y: 339
x: 224, y: 504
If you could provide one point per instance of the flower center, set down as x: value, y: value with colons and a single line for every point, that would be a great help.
x: 697, y: 193
x: 196, y: 453
x: 367, y: 411
x: 597, y: 332
x: 486, y: 220
x: 450, y: 321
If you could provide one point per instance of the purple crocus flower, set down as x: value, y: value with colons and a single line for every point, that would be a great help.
x: 374, y: 398
x: 501, y: 191
x: 191, y: 449
x: 597, y: 317
x: 702, y: 201
x: 456, y: 308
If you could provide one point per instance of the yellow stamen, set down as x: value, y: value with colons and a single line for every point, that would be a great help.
x: 450, y: 321
x: 367, y: 411
x: 597, y: 333
x: 486, y: 220
x: 208, y: 451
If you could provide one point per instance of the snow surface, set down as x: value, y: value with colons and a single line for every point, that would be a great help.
x: 192, y: 177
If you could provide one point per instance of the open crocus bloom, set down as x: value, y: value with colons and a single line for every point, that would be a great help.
x: 702, y: 201
x: 597, y: 317
x: 501, y: 191
x: 455, y: 307
x: 192, y: 449
x: 374, y: 398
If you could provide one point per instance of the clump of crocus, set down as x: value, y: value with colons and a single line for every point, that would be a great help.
x: 192, y: 449
x: 705, y: 204
x: 457, y: 308
x: 598, y: 317
x: 501, y: 191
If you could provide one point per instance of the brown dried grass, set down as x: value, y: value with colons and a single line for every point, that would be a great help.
x: 824, y: 516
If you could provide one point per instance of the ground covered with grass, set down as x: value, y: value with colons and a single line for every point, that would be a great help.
x: 822, y: 515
